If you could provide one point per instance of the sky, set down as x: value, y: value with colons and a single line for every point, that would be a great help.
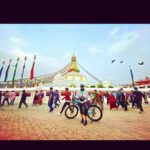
x: 95, y: 46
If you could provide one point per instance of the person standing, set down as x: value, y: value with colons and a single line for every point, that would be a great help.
x: 112, y: 101
x: 40, y: 97
x: 23, y: 100
x: 107, y: 95
x: 74, y: 98
x: 1, y: 94
x: 98, y: 98
x: 149, y: 94
x: 6, y: 98
x: 138, y: 98
x: 132, y: 100
x: 35, y: 100
x: 67, y: 98
x: 145, y: 99
x: 56, y: 97
x: 126, y: 97
x: 121, y: 99
x: 101, y: 99
x: 12, y: 97
x: 114, y: 93
x: 83, y: 96
x: 51, y: 100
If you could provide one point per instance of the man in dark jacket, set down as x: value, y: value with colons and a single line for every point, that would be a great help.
x: 121, y: 99
x: 0, y: 97
x: 6, y: 98
x: 132, y: 99
x: 138, y: 98
x: 23, y: 99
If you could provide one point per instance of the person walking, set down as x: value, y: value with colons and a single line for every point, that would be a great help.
x: 107, y: 95
x: 121, y: 99
x: 67, y: 98
x: 35, y: 100
x: 12, y: 97
x: 51, y: 100
x: 56, y: 97
x: 132, y: 100
x: 1, y: 94
x: 138, y: 99
x: 6, y: 98
x: 146, y: 98
x: 40, y: 97
x: 98, y: 98
x: 112, y: 101
x: 149, y: 94
x: 23, y: 100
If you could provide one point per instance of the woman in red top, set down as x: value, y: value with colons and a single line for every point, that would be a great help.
x: 112, y: 101
x: 67, y: 98
x: 98, y: 98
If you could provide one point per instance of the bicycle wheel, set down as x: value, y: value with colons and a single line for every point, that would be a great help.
x: 95, y: 113
x: 71, y: 111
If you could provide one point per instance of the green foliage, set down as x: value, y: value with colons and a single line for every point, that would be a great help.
x: 92, y: 86
x: 100, y: 85
x: 111, y: 86
x: 72, y: 85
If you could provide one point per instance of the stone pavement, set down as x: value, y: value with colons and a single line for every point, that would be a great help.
x: 36, y: 123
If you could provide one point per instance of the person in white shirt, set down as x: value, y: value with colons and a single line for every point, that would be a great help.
x: 12, y: 97
x: 83, y: 96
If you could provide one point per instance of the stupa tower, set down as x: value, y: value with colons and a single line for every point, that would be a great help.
x: 73, y: 67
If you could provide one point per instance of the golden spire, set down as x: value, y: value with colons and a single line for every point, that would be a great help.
x: 73, y: 66
x: 73, y: 58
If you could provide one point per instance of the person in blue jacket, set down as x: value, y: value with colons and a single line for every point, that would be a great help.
x: 51, y: 100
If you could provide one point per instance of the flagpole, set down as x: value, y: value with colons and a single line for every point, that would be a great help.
x: 23, y: 69
x: 1, y: 70
x: 131, y: 76
x: 13, y: 79
x: 32, y: 71
x: 6, y: 75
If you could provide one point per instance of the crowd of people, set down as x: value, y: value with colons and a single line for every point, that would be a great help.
x: 9, y: 97
x: 121, y: 98
x: 115, y: 99
x: 38, y: 98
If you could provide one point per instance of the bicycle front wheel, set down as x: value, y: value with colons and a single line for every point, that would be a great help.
x: 95, y: 113
x: 71, y: 111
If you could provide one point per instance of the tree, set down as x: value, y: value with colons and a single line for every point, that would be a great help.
x: 92, y: 86
x: 111, y: 86
x: 72, y: 85
x: 100, y: 85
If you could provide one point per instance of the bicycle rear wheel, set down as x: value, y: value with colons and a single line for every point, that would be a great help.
x: 71, y: 111
x: 95, y: 113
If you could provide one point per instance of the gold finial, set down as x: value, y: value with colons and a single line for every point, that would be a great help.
x: 73, y: 57
x: 3, y: 62
x: 25, y: 58
x: 18, y: 59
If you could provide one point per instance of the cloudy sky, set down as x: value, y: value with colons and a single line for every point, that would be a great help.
x: 95, y: 45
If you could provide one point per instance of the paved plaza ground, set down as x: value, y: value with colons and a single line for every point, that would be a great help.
x: 36, y: 123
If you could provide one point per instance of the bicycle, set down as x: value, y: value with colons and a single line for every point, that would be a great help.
x: 95, y: 113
